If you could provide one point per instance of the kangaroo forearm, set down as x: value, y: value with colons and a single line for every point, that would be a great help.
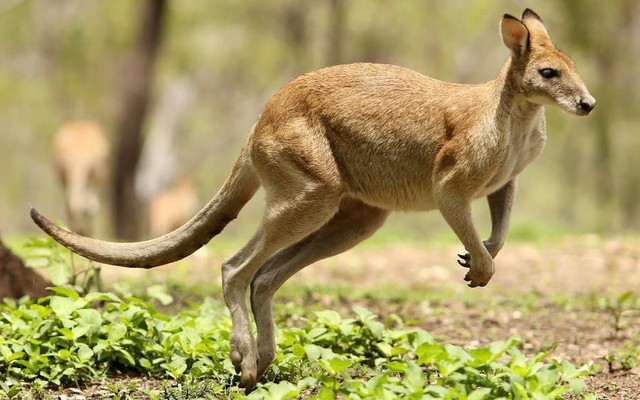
x: 500, y: 206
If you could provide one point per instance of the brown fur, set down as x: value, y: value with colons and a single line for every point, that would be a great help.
x: 337, y: 149
x: 17, y: 280
x: 81, y: 155
x: 172, y: 207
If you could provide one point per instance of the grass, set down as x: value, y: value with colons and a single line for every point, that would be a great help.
x: 350, y: 353
x: 64, y: 339
x: 454, y: 319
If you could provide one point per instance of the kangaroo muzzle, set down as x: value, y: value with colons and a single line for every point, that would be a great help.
x: 586, y: 104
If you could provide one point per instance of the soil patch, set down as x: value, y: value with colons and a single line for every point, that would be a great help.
x: 549, y: 294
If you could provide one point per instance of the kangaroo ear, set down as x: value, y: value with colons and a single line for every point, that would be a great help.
x: 534, y: 23
x: 529, y: 13
x: 515, y: 34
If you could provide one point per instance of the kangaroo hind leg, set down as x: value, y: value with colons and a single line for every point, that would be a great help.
x: 354, y: 222
x: 297, y: 204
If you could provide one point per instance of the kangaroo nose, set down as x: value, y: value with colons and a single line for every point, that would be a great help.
x: 587, y: 104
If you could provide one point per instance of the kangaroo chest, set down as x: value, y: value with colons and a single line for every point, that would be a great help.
x: 524, y: 144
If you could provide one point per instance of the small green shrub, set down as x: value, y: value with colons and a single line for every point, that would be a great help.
x: 67, y: 339
x: 61, y: 265
x: 624, y: 359
x: 618, y: 307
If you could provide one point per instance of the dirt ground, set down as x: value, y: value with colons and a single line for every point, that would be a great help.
x: 547, y: 293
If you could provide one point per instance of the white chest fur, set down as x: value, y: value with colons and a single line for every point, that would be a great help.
x: 526, y: 140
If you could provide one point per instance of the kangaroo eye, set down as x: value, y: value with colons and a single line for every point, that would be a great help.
x: 548, y: 73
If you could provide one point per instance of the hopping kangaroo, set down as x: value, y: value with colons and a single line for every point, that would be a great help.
x: 337, y: 149
x: 81, y: 155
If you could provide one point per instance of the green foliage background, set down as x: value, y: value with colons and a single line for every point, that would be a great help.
x: 64, y: 59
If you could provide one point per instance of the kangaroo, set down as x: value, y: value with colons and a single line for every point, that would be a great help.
x: 170, y: 208
x: 81, y: 155
x: 338, y: 149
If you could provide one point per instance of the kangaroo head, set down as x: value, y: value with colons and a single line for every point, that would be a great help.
x: 544, y: 74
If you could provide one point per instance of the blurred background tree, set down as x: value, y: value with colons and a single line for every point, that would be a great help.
x: 135, y: 92
x: 70, y: 59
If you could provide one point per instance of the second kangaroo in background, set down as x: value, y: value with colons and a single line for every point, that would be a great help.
x: 337, y: 149
x: 173, y: 206
x: 81, y: 157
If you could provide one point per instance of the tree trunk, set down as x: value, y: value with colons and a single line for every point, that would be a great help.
x: 135, y: 99
x: 337, y: 24
x: 297, y: 35
x: 159, y: 167
x: 17, y: 280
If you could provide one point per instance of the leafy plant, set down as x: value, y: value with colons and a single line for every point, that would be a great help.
x: 625, y: 359
x: 618, y: 307
x: 61, y: 265
x: 63, y: 339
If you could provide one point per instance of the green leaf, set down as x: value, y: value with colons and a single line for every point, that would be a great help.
x: 177, y: 323
x: 15, y: 356
x: 363, y: 314
x: 298, y: 350
x: 549, y: 375
x: 90, y: 317
x: 100, y: 348
x: 116, y: 331
x: 624, y: 297
x: 376, y: 328
x: 521, y: 392
x: 316, y: 331
x: 159, y: 292
x: 437, y: 391
x: 5, y: 351
x: 346, y: 327
x: 480, y: 394
x: 413, y: 376
x: 307, y: 382
x: 326, y: 394
x: 65, y: 292
x: 14, y: 391
x: 482, y: 356
x: 385, y: 348
x: 283, y: 390
x: 62, y: 305
x: 428, y: 352
x: 128, y: 357
x: 577, y: 385
x: 67, y: 333
x: 177, y: 366
x: 328, y: 317
x: 422, y: 337
x: 101, y: 296
x: 457, y: 352
x: 336, y: 364
x: 396, y: 366
x: 500, y: 347
x: 313, y: 351
x: 84, y: 352
x: 80, y: 330
x: 189, y: 340
x: 60, y: 273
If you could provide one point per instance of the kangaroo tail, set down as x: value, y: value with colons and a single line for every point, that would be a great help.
x: 238, y: 189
